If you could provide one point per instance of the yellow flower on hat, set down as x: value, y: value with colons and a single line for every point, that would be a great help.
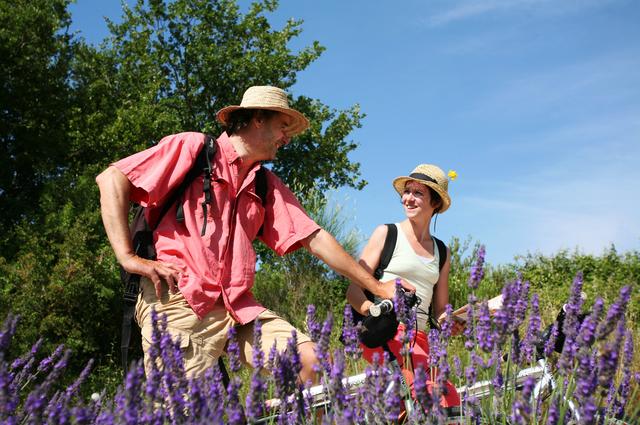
x: 452, y: 175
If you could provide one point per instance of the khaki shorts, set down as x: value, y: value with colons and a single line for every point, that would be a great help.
x: 203, y: 341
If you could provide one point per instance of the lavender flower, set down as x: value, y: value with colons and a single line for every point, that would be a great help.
x: 521, y: 408
x: 470, y: 328
x: 550, y: 344
x: 233, y: 350
x: 233, y: 407
x: 553, y: 414
x: 608, y: 360
x: 586, y: 333
x: 571, y: 324
x: 257, y: 388
x: 9, y: 327
x: 322, y: 347
x: 477, y: 270
x: 400, y: 304
x: 350, y: 335
x: 447, y: 324
x: 620, y: 400
x: 483, y: 328
x: 421, y: 390
x: 393, y: 396
x: 498, y: 379
x: 533, y: 331
x: 339, y: 398
x: 615, y: 312
x: 313, y: 326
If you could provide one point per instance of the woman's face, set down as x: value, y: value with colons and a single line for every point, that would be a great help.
x: 416, y: 199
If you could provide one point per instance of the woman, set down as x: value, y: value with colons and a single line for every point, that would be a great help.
x: 416, y: 259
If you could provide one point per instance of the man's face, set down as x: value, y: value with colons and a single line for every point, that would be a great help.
x: 273, y: 135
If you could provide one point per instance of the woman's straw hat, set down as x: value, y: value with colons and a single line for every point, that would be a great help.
x: 430, y: 175
x: 267, y: 97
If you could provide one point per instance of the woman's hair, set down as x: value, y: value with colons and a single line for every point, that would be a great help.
x: 240, y: 118
x: 436, y: 200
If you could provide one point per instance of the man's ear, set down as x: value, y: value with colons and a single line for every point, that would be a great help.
x: 257, y: 121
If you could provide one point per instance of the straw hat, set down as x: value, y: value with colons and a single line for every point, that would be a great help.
x: 267, y: 97
x: 430, y: 175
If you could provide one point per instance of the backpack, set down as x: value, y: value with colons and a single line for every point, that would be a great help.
x: 378, y: 330
x: 142, y: 231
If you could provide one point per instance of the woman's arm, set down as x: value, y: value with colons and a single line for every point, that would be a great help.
x: 441, y: 297
x: 441, y: 291
x: 369, y: 260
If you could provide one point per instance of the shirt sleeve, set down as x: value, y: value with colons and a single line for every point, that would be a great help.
x: 154, y: 172
x: 286, y: 223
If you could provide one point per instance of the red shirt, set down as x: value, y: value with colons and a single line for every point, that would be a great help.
x: 223, y: 261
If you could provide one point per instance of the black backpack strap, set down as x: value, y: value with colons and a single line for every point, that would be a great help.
x: 442, y: 255
x: 261, y: 184
x: 387, y: 250
x: 442, y: 252
x: 261, y: 190
x: 202, y: 165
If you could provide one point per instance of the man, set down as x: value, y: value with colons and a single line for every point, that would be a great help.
x: 203, y: 283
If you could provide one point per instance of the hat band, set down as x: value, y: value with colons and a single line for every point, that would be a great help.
x: 421, y: 176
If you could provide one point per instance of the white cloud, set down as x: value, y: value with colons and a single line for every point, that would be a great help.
x: 466, y: 9
x: 563, y: 213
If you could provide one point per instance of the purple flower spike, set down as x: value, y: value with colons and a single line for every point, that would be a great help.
x: 420, y: 387
x: 393, y: 396
x: 477, y: 270
x: 620, y: 401
x: 9, y: 327
x: 550, y: 345
x: 233, y: 350
x: 609, y: 356
x: 533, y: 330
x: 233, y: 408
x: 313, y: 326
x: 399, y: 303
x: 322, y: 346
x: 571, y: 324
x: 553, y: 414
x: 587, y: 332
x: 258, y: 354
x: 616, y: 311
x: 350, y: 335
x: 483, y: 328
x: 339, y: 398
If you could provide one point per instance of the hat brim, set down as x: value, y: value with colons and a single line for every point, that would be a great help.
x: 299, y: 122
x: 400, y: 182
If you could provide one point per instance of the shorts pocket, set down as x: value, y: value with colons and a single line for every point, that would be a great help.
x: 176, y: 334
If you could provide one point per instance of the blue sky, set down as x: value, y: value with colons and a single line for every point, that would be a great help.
x: 535, y: 104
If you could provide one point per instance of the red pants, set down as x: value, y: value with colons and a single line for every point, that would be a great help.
x: 420, y: 357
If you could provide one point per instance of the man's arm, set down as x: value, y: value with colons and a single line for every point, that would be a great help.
x: 114, y: 206
x: 324, y: 246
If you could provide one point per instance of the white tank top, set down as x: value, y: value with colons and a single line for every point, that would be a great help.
x: 421, y: 272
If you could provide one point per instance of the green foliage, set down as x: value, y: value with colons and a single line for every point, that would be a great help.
x: 35, y: 54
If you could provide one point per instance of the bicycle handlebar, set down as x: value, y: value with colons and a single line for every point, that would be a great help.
x: 382, y: 307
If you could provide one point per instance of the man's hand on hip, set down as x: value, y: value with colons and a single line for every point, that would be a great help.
x: 155, y: 271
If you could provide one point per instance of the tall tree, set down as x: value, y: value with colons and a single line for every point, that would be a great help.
x: 35, y: 54
x: 171, y: 65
